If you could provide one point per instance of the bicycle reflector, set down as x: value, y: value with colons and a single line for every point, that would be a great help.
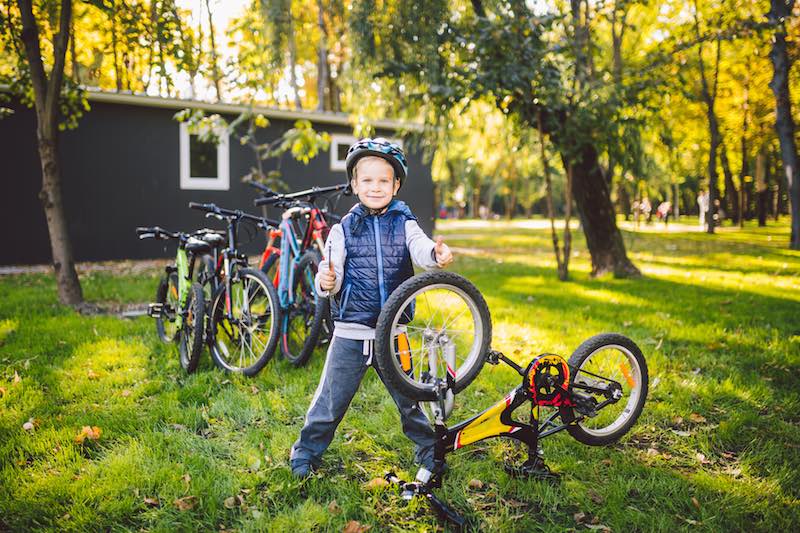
x: 547, y: 379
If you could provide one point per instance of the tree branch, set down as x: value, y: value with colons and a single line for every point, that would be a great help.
x: 30, y: 39
x: 61, y: 40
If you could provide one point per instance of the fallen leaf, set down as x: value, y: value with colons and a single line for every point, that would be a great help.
x: 595, y: 497
x: 475, y: 484
x: 682, y: 433
x: 697, y: 418
x: 652, y: 451
x: 254, y: 389
x: 2, y: 391
x: 696, y: 502
x: 377, y: 483
x: 627, y: 323
x: 702, y: 458
x: 88, y: 432
x: 29, y: 425
x: 257, y: 514
x: 230, y: 502
x: 599, y: 527
x: 16, y: 379
x: 595, y: 520
x: 354, y: 526
x: 334, y: 508
x: 186, y: 503
x: 677, y: 420
x: 607, y: 462
x: 125, y: 393
x: 152, y: 502
x: 735, y: 472
x: 91, y: 374
x: 579, y: 517
x: 226, y: 382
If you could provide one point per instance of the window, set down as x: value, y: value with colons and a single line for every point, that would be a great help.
x: 339, y: 146
x: 203, y: 165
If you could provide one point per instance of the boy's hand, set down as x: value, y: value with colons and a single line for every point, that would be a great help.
x: 443, y: 254
x: 327, y: 278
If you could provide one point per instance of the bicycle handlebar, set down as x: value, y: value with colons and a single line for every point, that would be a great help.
x: 274, y: 197
x: 233, y: 214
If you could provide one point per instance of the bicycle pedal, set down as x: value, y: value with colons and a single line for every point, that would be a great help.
x: 155, y: 310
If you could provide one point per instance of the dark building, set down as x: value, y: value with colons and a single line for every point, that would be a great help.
x: 129, y: 163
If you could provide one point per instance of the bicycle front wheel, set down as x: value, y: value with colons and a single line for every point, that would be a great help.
x: 167, y: 296
x: 190, y: 343
x: 434, y: 324
x: 596, y: 363
x: 244, y: 323
x: 301, y: 322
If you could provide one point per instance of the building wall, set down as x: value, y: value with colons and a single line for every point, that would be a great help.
x: 120, y: 169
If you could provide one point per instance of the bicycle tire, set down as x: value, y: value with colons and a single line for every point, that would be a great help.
x: 635, y: 404
x: 191, y: 347
x: 269, y: 266
x: 299, y: 355
x: 218, y: 320
x: 384, y: 341
x: 167, y: 292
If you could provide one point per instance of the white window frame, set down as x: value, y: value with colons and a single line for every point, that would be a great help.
x: 222, y: 180
x: 338, y: 139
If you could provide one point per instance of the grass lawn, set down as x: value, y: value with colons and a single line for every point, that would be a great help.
x: 717, y: 448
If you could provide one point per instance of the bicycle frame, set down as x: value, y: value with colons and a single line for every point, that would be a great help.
x: 540, y: 389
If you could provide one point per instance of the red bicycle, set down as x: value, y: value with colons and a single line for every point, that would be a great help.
x: 290, y: 260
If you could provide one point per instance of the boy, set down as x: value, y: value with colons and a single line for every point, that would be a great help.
x: 368, y: 255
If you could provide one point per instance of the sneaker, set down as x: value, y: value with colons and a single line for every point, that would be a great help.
x: 302, y: 470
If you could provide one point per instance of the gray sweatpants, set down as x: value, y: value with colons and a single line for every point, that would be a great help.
x: 344, y: 369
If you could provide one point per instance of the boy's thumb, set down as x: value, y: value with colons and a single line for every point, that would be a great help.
x: 439, y: 242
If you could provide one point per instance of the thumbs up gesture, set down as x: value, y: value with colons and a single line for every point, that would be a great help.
x: 327, y: 277
x: 443, y: 254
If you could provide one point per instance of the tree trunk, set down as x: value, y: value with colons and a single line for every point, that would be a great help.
x: 709, y: 96
x: 293, y: 62
x: 784, y: 124
x: 47, y: 94
x: 323, y: 72
x: 596, y: 213
x: 731, y: 194
x: 215, y: 73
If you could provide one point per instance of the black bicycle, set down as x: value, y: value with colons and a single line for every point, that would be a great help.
x: 243, y: 314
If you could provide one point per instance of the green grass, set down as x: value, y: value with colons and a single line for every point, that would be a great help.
x: 717, y: 448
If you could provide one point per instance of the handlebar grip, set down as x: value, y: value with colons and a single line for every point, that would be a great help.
x: 141, y: 230
x: 266, y: 200
x: 146, y: 235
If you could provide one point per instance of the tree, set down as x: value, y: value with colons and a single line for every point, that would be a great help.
x: 448, y: 56
x: 779, y: 11
x: 47, y: 99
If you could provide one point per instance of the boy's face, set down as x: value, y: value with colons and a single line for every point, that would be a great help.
x: 374, y: 183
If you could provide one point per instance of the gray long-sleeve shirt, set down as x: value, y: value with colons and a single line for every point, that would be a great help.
x: 420, y: 246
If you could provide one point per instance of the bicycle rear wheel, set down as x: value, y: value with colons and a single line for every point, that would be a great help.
x: 600, y: 360
x: 302, y: 321
x: 245, y: 341
x: 167, y: 296
x: 433, y: 324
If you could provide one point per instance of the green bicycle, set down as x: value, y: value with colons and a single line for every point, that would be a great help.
x: 179, y: 309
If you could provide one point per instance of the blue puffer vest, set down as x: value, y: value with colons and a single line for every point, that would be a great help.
x: 372, y: 272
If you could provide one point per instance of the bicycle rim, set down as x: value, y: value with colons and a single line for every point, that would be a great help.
x: 242, y: 342
x: 444, y: 318
x: 299, y: 318
x: 613, y: 362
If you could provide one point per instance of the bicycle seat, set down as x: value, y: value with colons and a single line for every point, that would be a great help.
x: 214, y: 239
x: 197, y: 246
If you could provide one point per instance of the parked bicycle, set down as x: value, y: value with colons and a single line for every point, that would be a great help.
x: 179, y: 308
x: 243, y: 314
x: 291, y: 259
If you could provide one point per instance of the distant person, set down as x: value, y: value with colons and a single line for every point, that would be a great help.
x: 647, y: 209
x: 663, y: 211
x: 702, y: 204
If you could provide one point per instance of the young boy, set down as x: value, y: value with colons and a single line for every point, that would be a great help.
x: 368, y: 255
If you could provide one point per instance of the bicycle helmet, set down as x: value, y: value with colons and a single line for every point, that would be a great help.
x: 378, y: 147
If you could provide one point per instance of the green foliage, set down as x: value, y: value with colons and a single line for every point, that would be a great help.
x: 714, y: 449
